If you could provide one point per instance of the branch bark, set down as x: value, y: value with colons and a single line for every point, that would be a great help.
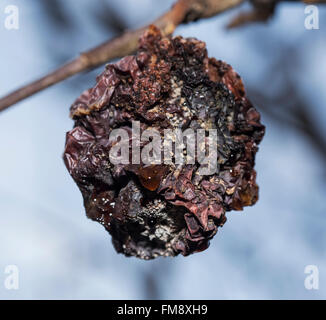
x: 183, y: 11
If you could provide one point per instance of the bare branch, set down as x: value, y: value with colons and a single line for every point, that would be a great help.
x: 182, y: 12
x: 262, y: 10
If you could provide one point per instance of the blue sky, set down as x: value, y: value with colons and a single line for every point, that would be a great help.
x: 260, y: 253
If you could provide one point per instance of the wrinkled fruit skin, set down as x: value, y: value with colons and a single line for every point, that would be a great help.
x: 164, y: 210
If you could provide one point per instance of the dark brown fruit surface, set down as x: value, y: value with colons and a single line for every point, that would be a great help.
x: 164, y: 210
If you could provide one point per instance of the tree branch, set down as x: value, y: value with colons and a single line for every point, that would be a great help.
x: 183, y: 11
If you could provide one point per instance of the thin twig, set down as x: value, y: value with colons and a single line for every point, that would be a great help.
x: 182, y: 12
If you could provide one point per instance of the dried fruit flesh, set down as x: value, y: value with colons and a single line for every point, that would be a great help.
x: 164, y: 210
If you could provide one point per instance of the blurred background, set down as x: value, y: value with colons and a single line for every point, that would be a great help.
x: 260, y: 253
